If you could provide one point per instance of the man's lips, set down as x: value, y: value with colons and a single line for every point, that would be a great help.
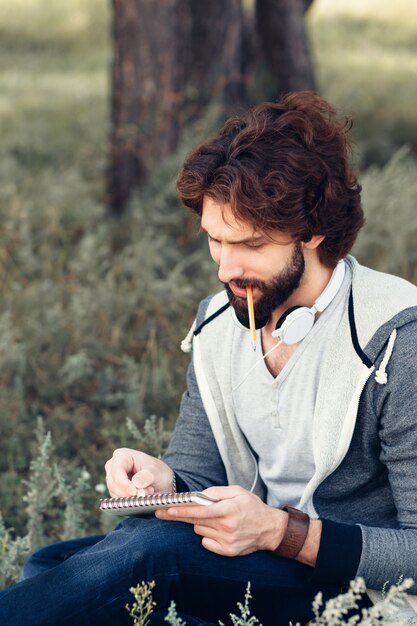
x: 238, y: 291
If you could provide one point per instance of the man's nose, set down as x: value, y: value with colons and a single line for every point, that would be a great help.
x: 229, y: 266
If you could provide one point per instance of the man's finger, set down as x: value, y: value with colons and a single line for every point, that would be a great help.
x: 193, y: 513
x: 144, y: 478
x: 207, y: 531
x: 116, y: 491
x: 214, y: 546
x: 224, y: 493
x: 121, y: 468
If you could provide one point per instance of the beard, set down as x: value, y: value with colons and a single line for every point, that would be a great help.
x: 274, y: 293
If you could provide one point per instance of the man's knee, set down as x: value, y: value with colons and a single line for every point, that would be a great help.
x: 156, y: 541
x: 54, y: 554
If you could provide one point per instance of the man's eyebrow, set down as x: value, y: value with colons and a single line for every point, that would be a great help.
x: 251, y: 239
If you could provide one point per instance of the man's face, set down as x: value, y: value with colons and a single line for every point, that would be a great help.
x: 271, y: 263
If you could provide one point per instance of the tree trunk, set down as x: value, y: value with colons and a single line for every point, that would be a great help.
x: 147, y: 91
x: 174, y: 57
x: 306, y: 5
x: 171, y: 58
x: 214, y: 53
x: 282, y: 33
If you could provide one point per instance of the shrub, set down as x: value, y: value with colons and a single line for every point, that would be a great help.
x: 342, y: 610
x: 388, y: 241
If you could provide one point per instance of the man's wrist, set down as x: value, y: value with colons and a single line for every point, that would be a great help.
x: 295, y: 534
x: 309, y: 551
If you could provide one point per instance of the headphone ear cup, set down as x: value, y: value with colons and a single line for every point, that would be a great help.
x: 284, y: 316
x: 294, y: 324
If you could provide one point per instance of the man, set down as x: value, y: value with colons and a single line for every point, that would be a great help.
x: 321, y: 417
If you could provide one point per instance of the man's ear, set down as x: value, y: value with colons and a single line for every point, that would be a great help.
x: 314, y: 242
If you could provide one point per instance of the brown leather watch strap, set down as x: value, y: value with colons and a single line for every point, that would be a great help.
x: 295, y: 533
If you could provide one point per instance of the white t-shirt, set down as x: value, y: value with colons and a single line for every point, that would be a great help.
x: 276, y: 414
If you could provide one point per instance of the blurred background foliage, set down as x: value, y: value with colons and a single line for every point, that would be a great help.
x: 93, y: 309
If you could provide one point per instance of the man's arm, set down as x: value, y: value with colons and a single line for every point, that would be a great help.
x: 192, y: 451
x: 241, y: 523
x: 389, y: 553
x: 384, y: 553
x: 192, y: 454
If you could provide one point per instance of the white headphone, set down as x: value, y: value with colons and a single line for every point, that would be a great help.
x: 297, y: 321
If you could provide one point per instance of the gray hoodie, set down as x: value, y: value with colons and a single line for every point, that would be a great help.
x: 364, y: 434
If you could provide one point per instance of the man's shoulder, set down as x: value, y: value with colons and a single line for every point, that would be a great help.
x: 367, y: 277
x: 382, y: 290
x: 382, y: 302
x: 208, y: 315
x: 211, y: 305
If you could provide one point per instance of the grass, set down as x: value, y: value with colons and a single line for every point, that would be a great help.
x: 76, y: 22
x: 54, y: 82
x: 366, y: 62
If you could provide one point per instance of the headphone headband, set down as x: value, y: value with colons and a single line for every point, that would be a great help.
x: 332, y: 287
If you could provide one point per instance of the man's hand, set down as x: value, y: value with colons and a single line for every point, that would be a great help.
x: 129, y: 470
x: 239, y: 524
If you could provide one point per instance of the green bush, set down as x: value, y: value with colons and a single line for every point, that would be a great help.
x: 53, y: 508
x: 390, y: 610
x: 59, y: 499
x: 388, y: 241
x: 90, y: 330
x: 365, y: 64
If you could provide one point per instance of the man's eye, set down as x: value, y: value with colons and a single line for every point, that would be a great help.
x: 254, y: 244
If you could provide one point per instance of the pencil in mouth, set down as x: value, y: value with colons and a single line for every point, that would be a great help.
x: 251, y: 314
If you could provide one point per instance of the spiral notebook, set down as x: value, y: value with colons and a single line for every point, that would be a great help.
x: 141, y: 505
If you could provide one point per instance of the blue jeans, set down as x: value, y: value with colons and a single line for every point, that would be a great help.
x: 86, y: 581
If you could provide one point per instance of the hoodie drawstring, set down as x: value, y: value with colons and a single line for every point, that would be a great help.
x: 187, y: 342
x: 381, y: 376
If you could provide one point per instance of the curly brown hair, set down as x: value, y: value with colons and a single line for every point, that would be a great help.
x: 283, y: 166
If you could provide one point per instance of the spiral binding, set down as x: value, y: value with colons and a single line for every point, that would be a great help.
x: 140, y: 501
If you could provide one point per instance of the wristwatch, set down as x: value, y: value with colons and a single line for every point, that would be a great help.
x: 295, y: 533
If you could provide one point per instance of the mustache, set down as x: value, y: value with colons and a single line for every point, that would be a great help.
x: 242, y: 283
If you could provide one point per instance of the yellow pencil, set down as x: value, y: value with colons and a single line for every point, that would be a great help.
x: 251, y: 312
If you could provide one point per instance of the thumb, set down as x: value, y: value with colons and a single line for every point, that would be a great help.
x: 143, y: 479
